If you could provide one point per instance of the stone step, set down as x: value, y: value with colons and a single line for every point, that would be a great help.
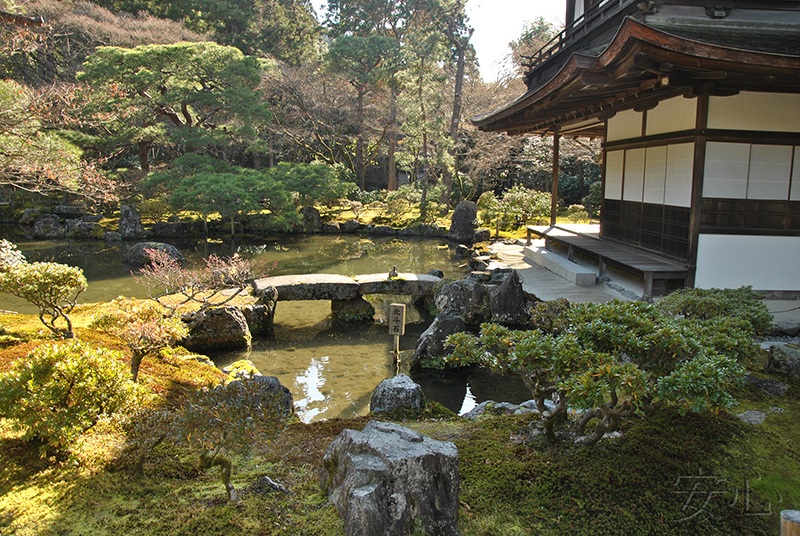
x: 572, y: 272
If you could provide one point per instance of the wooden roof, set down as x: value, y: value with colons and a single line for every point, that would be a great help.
x: 641, y: 66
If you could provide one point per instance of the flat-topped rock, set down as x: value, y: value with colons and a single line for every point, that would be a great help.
x: 309, y: 287
x: 403, y: 283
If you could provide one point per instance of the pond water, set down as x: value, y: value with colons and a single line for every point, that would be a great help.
x: 330, y: 369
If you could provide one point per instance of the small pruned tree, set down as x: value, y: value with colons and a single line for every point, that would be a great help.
x: 613, y: 361
x: 52, y: 287
x: 59, y: 391
x: 175, y: 286
x: 144, y: 326
x: 226, y: 420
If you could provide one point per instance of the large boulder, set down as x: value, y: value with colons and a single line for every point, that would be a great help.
x: 784, y: 359
x: 466, y: 298
x: 508, y: 301
x: 222, y: 328
x: 270, y: 390
x: 178, y: 229
x: 432, y: 341
x: 312, y: 221
x: 387, y: 477
x: 350, y: 226
x: 399, y: 392
x: 83, y: 229
x: 137, y: 256
x: 48, y: 226
x: 130, y: 223
x: 462, y: 226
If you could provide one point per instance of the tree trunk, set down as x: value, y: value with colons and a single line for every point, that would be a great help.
x: 360, y: 166
x: 136, y: 360
x: 207, y: 462
x: 392, y: 186
x: 455, y: 119
x: 144, y: 161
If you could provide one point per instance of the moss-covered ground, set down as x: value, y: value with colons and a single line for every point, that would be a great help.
x: 672, y: 474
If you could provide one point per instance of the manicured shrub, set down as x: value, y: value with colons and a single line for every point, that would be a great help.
x: 615, y: 360
x: 61, y: 390
x: 54, y: 288
x: 703, y: 304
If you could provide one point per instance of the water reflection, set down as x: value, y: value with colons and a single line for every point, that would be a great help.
x: 331, y: 370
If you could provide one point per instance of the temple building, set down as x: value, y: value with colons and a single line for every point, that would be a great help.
x: 698, y: 107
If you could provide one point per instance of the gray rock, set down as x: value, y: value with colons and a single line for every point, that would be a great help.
x: 83, y: 229
x: 784, y: 359
x: 350, y: 226
x: 466, y: 298
x: 752, y: 416
x: 771, y: 387
x: 223, y: 328
x: 386, y: 477
x: 399, y: 392
x: 269, y: 391
x: 383, y: 230
x: 462, y: 225
x: 776, y: 409
x: 432, y: 341
x: 92, y: 218
x: 29, y: 216
x: 137, y: 257
x: 312, y: 221
x: 482, y: 235
x: 48, y: 226
x: 508, y: 302
x: 74, y: 211
x: 259, y: 318
x: 463, y: 251
x: 788, y: 328
x: 480, y: 263
x: 331, y: 228
x: 436, y: 273
x: 352, y: 311
x: 400, y: 283
x: 130, y: 223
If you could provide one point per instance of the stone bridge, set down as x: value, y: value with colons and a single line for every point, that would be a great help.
x: 346, y: 293
x: 344, y: 288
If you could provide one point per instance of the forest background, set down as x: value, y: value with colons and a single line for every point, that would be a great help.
x: 186, y: 102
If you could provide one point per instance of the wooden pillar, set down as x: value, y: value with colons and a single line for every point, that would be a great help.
x: 790, y: 523
x: 554, y: 202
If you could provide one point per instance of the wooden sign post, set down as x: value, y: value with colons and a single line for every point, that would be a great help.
x: 397, y: 323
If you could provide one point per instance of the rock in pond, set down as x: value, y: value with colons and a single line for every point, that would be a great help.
x: 462, y: 226
x: 387, y: 477
x: 137, y: 257
x: 130, y: 223
x: 223, y: 328
x: 399, y: 392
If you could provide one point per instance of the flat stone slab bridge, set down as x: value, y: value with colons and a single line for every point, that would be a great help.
x: 342, y: 287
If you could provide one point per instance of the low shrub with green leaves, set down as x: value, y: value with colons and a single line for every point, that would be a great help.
x: 61, y: 390
x: 52, y: 287
x: 615, y: 360
x: 704, y: 304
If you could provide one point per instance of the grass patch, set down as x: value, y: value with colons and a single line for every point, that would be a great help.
x: 635, y: 485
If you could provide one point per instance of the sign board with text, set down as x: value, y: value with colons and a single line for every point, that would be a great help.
x: 397, y: 319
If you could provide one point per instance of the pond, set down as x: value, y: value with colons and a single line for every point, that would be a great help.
x: 330, y: 369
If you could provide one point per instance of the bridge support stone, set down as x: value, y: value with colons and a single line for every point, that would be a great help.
x: 352, y: 311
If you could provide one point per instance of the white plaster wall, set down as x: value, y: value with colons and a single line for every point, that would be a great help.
x: 795, y: 193
x: 680, y: 166
x: 633, y: 184
x: 672, y: 115
x: 770, y: 169
x: 775, y: 112
x: 726, y: 170
x: 655, y: 174
x: 614, y: 163
x: 625, y: 125
x: 763, y: 262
